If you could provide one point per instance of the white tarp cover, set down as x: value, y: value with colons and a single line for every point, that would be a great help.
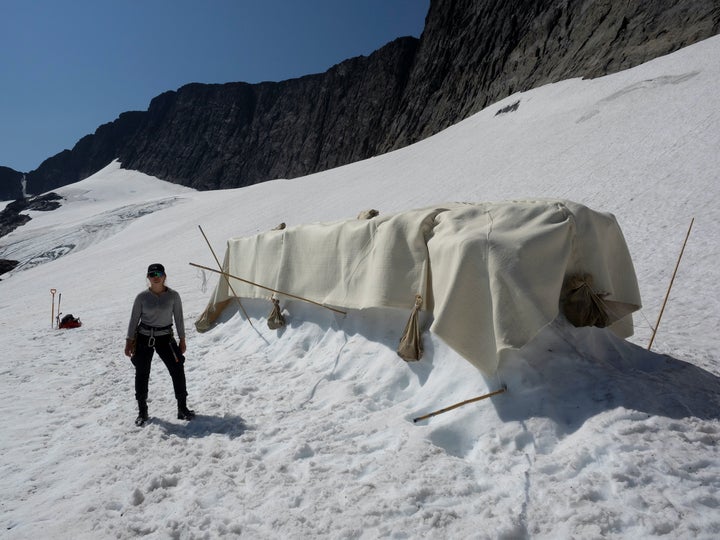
x: 491, y: 274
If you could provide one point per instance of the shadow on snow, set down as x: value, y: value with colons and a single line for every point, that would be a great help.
x: 203, y: 425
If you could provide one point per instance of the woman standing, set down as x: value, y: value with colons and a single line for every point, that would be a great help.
x: 151, y: 329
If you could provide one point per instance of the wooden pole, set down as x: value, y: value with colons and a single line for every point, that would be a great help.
x: 667, y: 295
x: 226, y: 278
x: 451, y: 407
x: 267, y: 288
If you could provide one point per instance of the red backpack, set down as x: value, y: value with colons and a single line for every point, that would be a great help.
x: 68, y: 321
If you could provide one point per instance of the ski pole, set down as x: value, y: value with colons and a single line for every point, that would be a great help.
x: 58, y: 315
x: 52, y: 312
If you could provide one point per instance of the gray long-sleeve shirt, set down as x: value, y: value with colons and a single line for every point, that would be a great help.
x: 157, y: 310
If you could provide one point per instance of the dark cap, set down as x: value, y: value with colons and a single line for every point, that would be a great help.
x: 156, y: 267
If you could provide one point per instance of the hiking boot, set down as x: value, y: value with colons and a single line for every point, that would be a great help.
x: 142, y: 414
x: 185, y: 414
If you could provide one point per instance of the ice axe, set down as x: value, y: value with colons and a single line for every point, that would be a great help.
x: 57, y: 319
x: 52, y: 313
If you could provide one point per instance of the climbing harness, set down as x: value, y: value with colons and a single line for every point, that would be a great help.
x: 152, y: 330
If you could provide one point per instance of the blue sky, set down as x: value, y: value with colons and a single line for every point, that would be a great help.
x: 67, y: 67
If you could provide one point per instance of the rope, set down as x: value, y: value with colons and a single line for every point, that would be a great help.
x: 600, y: 298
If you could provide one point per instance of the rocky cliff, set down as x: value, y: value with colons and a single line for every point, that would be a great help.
x: 471, y: 53
x: 10, y: 184
x: 219, y: 136
x: 475, y: 52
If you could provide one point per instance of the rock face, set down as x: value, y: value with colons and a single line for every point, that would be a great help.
x: 10, y: 184
x: 6, y: 265
x: 11, y: 218
x: 89, y: 155
x: 471, y: 54
x: 219, y: 136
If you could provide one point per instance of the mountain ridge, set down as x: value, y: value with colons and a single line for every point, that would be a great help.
x: 470, y: 54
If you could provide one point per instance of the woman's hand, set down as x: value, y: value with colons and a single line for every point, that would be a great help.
x: 129, y: 347
x: 183, y: 347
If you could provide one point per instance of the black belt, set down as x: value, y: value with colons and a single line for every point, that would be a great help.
x: 154, y: 328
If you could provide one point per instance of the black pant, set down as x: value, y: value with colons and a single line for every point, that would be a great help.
x: 169, y: 352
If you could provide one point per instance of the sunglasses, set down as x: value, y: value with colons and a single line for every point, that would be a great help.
x: 155, y: 274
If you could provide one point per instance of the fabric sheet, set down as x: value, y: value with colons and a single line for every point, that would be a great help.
x: 491, y: 274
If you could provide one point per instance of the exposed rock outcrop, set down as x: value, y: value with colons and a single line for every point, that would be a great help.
x: 6, y: 265
x: 10, y: 184
x: 471, y: 54
x: 11, y: 217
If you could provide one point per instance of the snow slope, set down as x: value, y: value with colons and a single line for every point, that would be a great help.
x: 308, y: 431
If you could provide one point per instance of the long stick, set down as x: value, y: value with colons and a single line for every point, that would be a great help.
x: 268, y: 288
x: 226, y: 278
x: 451, y: 407
x: 667, y: 295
